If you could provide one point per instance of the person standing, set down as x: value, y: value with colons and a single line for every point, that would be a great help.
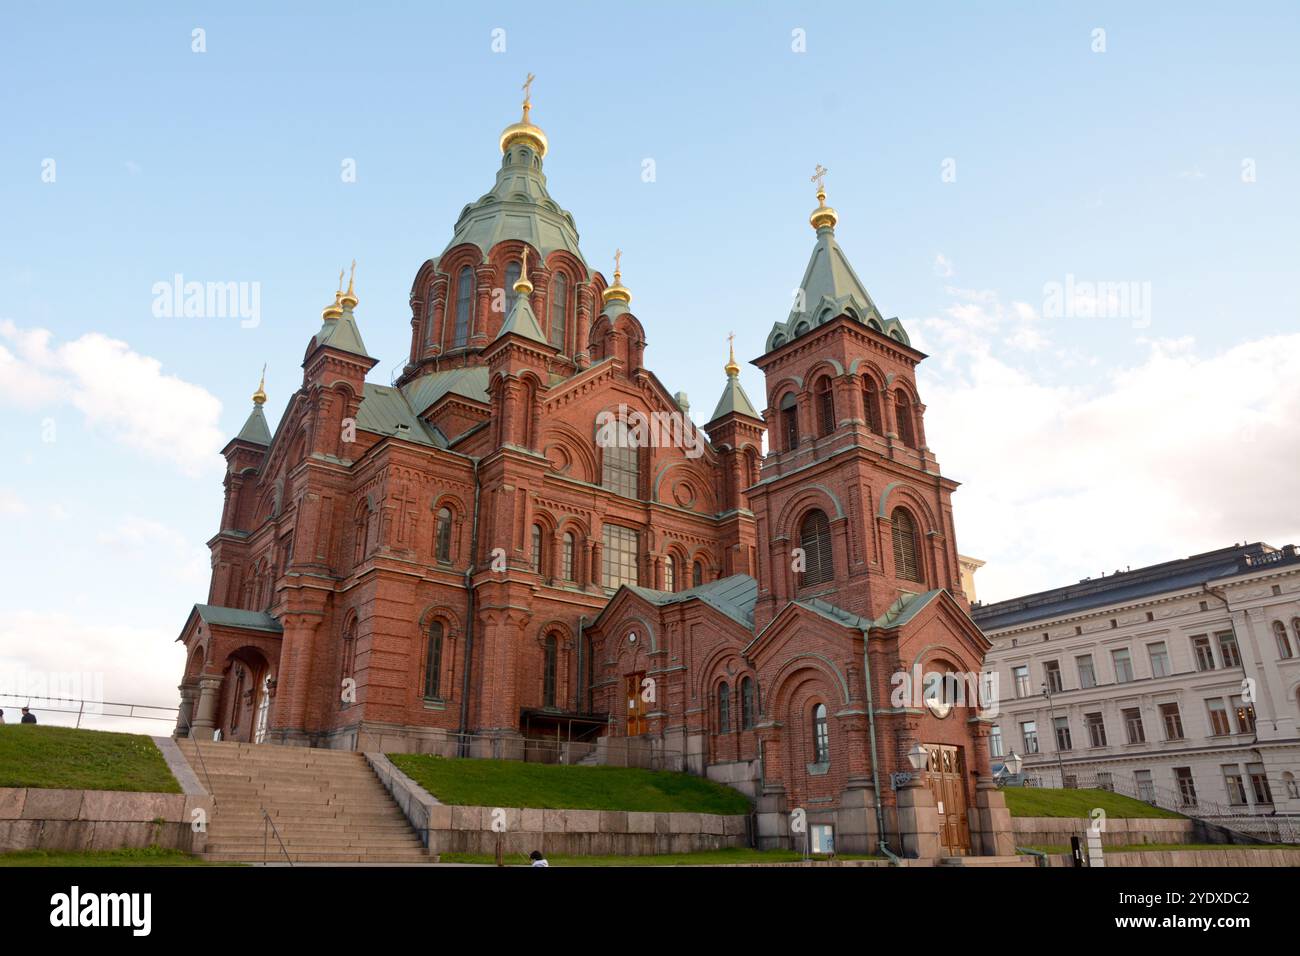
x: 28, y: 716
x: 2, y: 716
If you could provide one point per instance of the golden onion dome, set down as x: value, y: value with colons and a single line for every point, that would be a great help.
x: 823, y: 215
x: 522, y: 285
x: 259, y: 397
x: 617, y: 292
x: 524, y: 132
x: 348, y: 300
x: 732, y: 369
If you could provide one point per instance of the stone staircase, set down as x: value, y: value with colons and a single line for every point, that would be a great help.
x: 327, y: 806
x: 981, y: 861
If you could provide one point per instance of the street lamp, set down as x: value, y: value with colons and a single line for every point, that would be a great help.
x: 1051, y: 712
x: 1014, y: 762
x: 918, y: 757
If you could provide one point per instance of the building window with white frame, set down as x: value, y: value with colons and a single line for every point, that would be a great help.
x: 1159, y: 655
x: 1123, y: 662
x: 1052, y: 671
x: 1259, y: 784
x: 1145, y: 785
x: 1062, y: 727
x: 1133, y: 728
x: 1172, y: 720
x: 1245, y: 714
x: 1087, y: 674
x: 1234, y: 784
x: 1283, y: 640
x: 1228, y: 651
x: 1096, y: 725
x: 1204, y: 653
x: 1029, y: 735
x: 1218, y: 717
x: 1020, y: 676
x: 995, y: 741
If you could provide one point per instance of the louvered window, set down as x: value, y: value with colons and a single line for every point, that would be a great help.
x: 724, y: 709
x: 442, y: 535
x: 871, y: 398
x: 549, y: 671
x: 906, y: 553
x: 433, y: 661
x: 815, y: 540
x: 825, y: 406
x: 566, y: 556
x: 790, y: 421
x: 537, y: 548
x: 903, y: 411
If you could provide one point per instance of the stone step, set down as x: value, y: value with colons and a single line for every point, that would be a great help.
x: 256, y: 855
x: 982, y: 861
x: 311, y: 844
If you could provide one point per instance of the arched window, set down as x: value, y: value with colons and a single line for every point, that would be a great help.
x: 748, y: 704
x: 815, y: 540
x: 907, y: 552
x: 871, y: 399
x: 559, y: 310
x: 670, y: 574
x: 349, y: 662
x: 1295, y: 631
x: 790, y: 421
x: 548, y: 671
x: 1283, y: 641
x: 821, y: 735
x: 619, y: 460
x: 724, y: 708
x: 464, y: 307
x: 825, y: 405
x: 537, y: 548
x: 512, y: 276
x: 567, y: 554
x: 903, y: 411
x: 442, y: 535
x: 697, y: 574
x: 433, y: 661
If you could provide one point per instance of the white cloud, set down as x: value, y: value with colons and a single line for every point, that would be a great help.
x: 942, y: 266
x: 117, y: 390
x: 175, y: 556
x: 11, y: 505
x: 70, y: 656
x: 1179, y: 452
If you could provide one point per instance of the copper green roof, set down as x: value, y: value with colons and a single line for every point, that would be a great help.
x: 518, y: 207
x: 341, y: 334
x: 255, y: 430
x: 733, y: 596
x: 522, y: 321
x: 236, y: 617
x: 469, y: 382
x: 829, y: 288
x: 385, y: 411
x: 735, y: 400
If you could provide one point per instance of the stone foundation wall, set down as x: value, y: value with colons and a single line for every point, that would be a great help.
x: 39, y: 819
x: 1056, y: 831
x: 1227, y: 857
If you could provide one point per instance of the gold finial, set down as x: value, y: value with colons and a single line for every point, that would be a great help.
x: 524, y: 131
x: 823, y: 215
x: 522, y: 285
x: 617, y: 290
x: 732, y: 368
x: 348, y: 300
x: 335, y: 309
x: 259, y: 397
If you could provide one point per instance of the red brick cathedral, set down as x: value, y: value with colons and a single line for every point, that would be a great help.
x: 493, y: 555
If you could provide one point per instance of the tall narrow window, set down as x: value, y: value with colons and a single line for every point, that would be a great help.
x: 549, y: 670
x: 433, y: 661
x: 512, y: 276
x: 442, y: 535
x: 697, y: 574
x: 1283, y: 642
x: 871, y: 399
x: 619, y: 555
x: 815, y: 540
x: 724, y: 708
x: 790, y: 421
x: 906, y: 551
x: 619, y: 460
x: 747, y: 703
x: 537, y: 548
x: 821, y: 735
x: 464, y: 306
x: 825, y: 405
x: 903, y: 411
x: 559, y: 310
x: 567, y: 553
x: 670, y: 574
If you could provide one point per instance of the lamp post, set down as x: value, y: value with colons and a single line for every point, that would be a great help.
x: 1051, y: 713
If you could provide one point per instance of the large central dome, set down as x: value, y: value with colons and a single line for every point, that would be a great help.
x: 518, y: 206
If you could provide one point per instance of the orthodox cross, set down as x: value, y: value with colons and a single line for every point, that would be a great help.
x: 618, y: 255
x: 818, y: 175
x: 527, y: 93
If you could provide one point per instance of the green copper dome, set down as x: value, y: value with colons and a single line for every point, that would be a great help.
x: 518, y: 207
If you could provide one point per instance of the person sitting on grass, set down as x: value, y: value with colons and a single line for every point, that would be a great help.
x: 537, y: 858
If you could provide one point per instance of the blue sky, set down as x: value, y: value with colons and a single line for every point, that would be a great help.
x: 1083, y: 443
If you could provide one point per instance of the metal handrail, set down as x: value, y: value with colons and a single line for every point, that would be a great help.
x: 266, y: 838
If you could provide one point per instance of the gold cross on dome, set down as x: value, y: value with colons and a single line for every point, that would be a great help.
x: 528, y: 96
x: 818, y: 176
x: 618, y: 255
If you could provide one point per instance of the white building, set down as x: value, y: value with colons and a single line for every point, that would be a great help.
x: 1178, y: 683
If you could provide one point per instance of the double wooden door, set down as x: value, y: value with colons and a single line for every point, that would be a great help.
x: 636, y: 722
x: 947, y: 780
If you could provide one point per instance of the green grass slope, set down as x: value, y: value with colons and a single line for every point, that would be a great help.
x: 70, y: 759
x: 1079, y: 804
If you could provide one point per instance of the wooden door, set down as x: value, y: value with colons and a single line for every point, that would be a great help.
x: 948, y: 784
x: 636, y: 722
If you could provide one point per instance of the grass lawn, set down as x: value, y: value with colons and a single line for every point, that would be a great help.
x: 703, y: 858
x: 1035, y: 802
x: 70, y: 759
x: 512, y: 783
x: 148, y: 856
